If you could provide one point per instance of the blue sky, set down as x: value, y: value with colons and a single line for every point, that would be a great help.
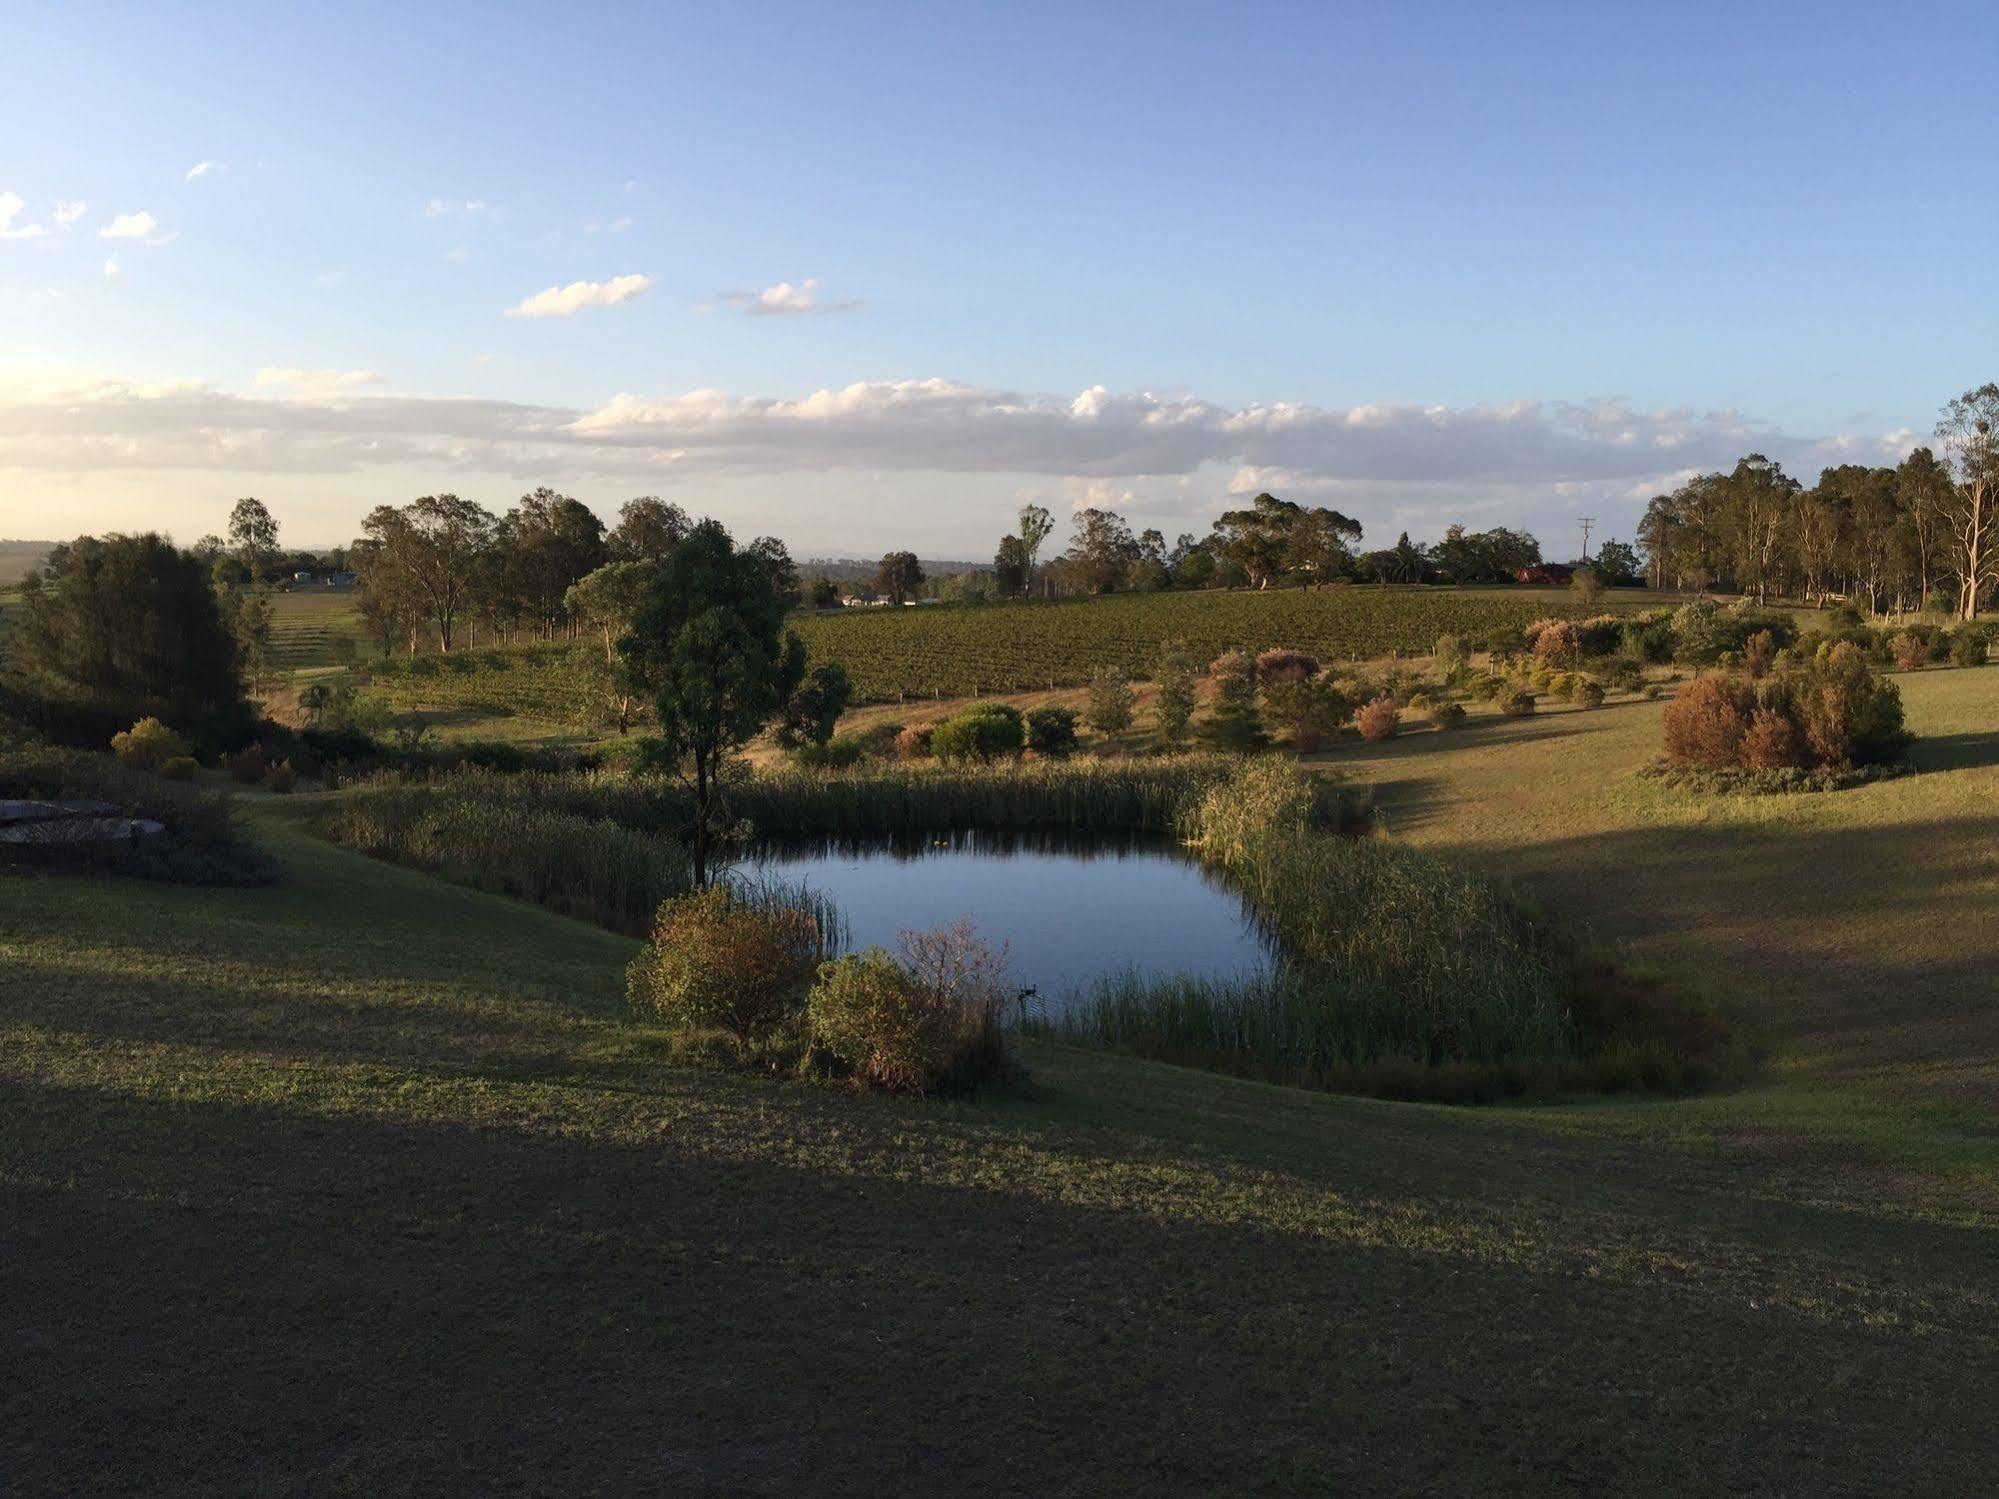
x: 1498, y: 264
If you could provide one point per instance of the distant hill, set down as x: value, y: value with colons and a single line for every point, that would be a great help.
x: 856, y: 570
x: 19, y: 558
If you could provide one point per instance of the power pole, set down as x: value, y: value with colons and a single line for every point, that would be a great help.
x: 1588, y: 521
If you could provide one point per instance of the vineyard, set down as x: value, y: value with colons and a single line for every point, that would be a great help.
x: 564, y: 683
x: 306, y: 625
x: 955, y: 650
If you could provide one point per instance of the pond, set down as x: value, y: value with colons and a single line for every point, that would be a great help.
x: 1070, y: 910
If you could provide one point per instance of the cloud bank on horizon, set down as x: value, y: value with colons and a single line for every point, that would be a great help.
x: 1171, y: 459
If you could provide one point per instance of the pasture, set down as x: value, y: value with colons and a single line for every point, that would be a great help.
x: 435, y: 1200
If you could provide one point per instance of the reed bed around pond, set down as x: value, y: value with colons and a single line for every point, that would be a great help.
x: 1401, y: 973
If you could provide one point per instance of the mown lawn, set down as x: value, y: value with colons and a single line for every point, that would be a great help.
x: 360, y: 1183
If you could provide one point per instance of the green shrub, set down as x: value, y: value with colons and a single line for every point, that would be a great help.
x: 1109, y: 706
x: 1308, y: 709
x: 1648, y: 637
x: 1051, y: 731
x: 1515, y: 703
x: 1173, y: 705
x: 1847, y: 713
x: 927, y: 1022
x: 1450, y: 654
x: 1703, y: 629
x: 1586, y: 694
x: 148, y: 745
x: 1235, y: 723
x: 984, y: 731
x: 281, y: 777
x: 836, y: 753
x: 179, y: 768
x: 717, y: 962
x: 1446, y: 715
x: 1968, y: 646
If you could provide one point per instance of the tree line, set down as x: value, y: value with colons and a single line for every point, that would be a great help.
x: 1892, y: 536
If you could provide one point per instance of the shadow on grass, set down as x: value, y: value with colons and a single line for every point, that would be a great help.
x: 275, y: 1300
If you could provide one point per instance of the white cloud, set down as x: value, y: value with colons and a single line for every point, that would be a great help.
x: 458, y: 256
x: 68, y: 213
x: 10, y: 209
x: 317, y: 382
x: 786, y: 298
x: 111, y: 266
x: 204, y: 169
x: 617, y: 226
x: 561, y: 301
x: 129, y: 226
x: 449, y: 208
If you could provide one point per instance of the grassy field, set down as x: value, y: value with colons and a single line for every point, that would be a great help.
x: 953, y: 650
x: 359, y: 1183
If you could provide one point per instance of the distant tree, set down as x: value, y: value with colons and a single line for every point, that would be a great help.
x: 1407, y: 562
x: 1010, y: 567
x: 250, y: 617
x: 1922, y: 486
x: 823, y: 593
x: 899, y: 577
x: 709, y: 646
x: 1102, y: 549
x: 426, y: 554
x: 1149, y: 572
x: 1483, y: 556
x: 1277, y: 539
x: 541, y: 547
x: 648, y: 529
x: 253, y: 535
x: 131, y: 625
x: 1617, y: 564
x: 1034, y: 527
x: 1968, y: 432
x: 775, y: 559
x: 607, y: 599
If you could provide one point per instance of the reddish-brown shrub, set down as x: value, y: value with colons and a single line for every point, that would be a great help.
x: 1911, y: 652
x: 913, y: 743
x: 1277, y: 666
x: 1771, y: 742
x: 246, y: 765
x: 1378, y: 720
x: 1556, y: 641
x: 1706, y: 720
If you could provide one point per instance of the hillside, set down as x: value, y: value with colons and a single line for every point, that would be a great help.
x: 19, y: 558
x: 466, y: 1229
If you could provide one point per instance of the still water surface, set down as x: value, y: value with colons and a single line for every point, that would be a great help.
x: 1071, y: 910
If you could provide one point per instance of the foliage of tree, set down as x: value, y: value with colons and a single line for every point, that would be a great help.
x: 1101, y: 550
x: 814, y: 707
x: 648, y: 529
x: 132, y: 625
x: 253, y: 536
x: 899, y: 577
x: 1274, y: 540
x: 709, y: 647
x: 424, y: 557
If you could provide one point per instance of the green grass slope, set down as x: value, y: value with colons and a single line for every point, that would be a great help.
x: 359, y: 1184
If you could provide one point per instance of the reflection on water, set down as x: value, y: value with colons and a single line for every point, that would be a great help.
x: 1072, y: 909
